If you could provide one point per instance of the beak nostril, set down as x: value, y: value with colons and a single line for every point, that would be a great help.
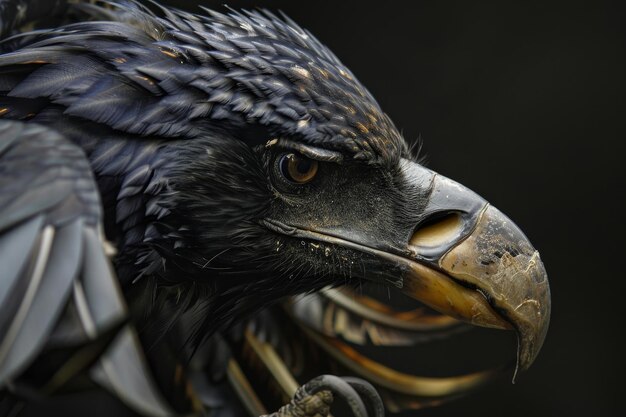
x: 438, y: 230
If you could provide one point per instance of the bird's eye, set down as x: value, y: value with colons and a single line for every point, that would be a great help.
x: 297, y: 168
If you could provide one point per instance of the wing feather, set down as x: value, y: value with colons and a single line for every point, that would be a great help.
x: 14, y: 253
x: 44, y: 300
x: 49, y: 217
x: 58, y: 289
x: 123, y: 370
x: 103, y: 296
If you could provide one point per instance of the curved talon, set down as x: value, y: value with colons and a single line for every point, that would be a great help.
x: 306, y: 405
x: 341, y: 388
x: 314, y: 405
x: 369, y: 393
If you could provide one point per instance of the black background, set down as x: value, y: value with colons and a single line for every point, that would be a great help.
x: 522, y: 103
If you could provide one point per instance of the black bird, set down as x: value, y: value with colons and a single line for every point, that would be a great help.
x: 223, y: 162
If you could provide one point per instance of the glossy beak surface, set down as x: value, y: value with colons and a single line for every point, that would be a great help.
x: 473, y: 263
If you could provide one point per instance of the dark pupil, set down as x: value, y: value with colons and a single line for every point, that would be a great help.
x: 303, y: 166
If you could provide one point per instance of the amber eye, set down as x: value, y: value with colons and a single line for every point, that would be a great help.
x: 297, y: 168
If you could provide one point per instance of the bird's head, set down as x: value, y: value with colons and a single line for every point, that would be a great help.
x: 297, y: 180
x: 278, y: 174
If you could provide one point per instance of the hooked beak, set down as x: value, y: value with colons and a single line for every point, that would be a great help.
x: 463, y: 258
x: 473, y: 263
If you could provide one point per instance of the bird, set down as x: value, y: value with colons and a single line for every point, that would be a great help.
x: 173, y: 183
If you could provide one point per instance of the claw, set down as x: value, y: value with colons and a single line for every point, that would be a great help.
x: 367, y: 391
x: 316, y: 396
x: 306, y: 404
x: 338, y: 387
